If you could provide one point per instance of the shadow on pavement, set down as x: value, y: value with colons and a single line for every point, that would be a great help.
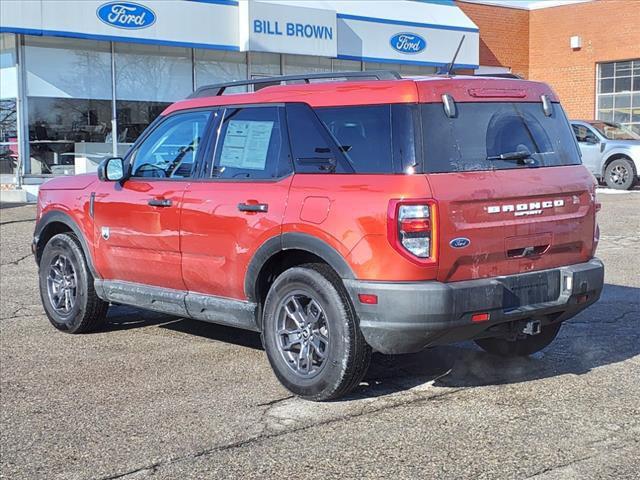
x: 608, y: 332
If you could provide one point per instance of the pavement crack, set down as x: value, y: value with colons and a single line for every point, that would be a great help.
x: 274, y: 402
x: 562, y: 465
x: 16, y: 262
x: 412, y: 399
x: 11, y: 222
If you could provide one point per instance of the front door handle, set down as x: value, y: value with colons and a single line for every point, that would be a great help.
x: 253, y: 207
x: 160, y: 202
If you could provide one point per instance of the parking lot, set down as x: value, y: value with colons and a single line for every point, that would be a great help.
x: 163, y: 397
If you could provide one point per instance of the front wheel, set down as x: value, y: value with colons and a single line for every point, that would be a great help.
x: 520, y: 347
x: 66, y: 287
x: 620, y: 174
x: 311, y: 334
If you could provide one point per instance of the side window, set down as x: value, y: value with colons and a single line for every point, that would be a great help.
x: 253, y: 143
x: 363, y: 133
x: 314, y: 151
x: 170, y: 151
x: 580, y: 132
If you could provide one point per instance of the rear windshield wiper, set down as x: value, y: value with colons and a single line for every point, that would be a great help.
x: 523, y: 156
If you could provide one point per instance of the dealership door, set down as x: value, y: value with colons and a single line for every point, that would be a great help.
x: 239, y: 203
x: 137, y: 223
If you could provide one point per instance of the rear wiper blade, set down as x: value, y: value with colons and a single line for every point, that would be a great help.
x: 521, y: 155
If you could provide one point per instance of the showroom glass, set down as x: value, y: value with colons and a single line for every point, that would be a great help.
x: 212, y: 66
x: 69, y: 104
x: 482, y: 130
x: 618, y: 93
x: 171, y: 149
x: 149, y: 78
x: 253, y: 144
x: 8, y: 113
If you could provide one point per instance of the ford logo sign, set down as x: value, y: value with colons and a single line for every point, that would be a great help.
x: 408, y: 43
x: 460, y: 242
x: 126, y: 15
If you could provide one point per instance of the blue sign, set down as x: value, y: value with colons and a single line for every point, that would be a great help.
x: 126, y: 15
x: 410, y: 43
x: 460, y: 242
x: 307, y: 30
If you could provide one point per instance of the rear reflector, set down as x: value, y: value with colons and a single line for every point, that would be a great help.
x: 480, y: 317
x: 368, y: 298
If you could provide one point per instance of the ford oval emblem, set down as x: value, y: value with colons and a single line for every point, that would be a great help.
x: 460, y: 242
x: 408, y: 43
x: 126, y: 15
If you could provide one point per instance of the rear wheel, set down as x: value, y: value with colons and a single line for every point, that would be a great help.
x: 66, y: 287
x: 620, y: 174
x: 520, y: 347
x: 311, y: 334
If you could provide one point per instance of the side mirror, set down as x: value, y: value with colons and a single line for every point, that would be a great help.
x: 592, y: 140
x: 111, y: 170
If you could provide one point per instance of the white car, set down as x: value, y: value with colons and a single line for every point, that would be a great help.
x: 610, y: 151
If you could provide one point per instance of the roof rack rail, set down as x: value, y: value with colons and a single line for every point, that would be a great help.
x: 498, y: 75
x: 217, y: 89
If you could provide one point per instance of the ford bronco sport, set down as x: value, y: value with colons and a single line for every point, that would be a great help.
x: 364, y: 212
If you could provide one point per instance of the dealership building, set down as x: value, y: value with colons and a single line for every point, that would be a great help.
x: 81, y: 79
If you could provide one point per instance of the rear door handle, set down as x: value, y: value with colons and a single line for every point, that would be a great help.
x: 160, y: 202
x: 253, y: 207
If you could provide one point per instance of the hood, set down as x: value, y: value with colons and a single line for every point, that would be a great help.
x: 623, y: 143
x: 71, y: 182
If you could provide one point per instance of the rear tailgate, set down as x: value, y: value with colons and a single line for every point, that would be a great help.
x: 516, y: 220
x: 510, y: 187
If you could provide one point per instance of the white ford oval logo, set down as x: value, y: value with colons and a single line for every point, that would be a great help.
x: 126, y: 15
x: 408, y: 43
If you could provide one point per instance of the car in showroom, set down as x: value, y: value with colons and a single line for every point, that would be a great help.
x: 610, y: 151
x: 336, y: 214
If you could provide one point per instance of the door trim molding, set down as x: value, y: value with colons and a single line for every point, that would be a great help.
x: 199, y: 306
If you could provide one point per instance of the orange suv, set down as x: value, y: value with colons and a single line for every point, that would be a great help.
x: 336, y: 214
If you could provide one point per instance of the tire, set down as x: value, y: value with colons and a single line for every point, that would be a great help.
x: 62, y: 266
x: 311, y: 298
x: 520, y: 347
x: 620, y: 174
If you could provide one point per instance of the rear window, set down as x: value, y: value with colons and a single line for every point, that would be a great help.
x: 480, y: 133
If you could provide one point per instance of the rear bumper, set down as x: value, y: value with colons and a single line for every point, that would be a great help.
x: 411, y: 316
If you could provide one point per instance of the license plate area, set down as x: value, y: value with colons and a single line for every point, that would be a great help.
x: 530, y: 289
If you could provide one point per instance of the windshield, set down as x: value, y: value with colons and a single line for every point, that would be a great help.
x: 613, y: 131
x: 496, y: 136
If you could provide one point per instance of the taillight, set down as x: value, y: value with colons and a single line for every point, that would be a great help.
x: 412, y: 229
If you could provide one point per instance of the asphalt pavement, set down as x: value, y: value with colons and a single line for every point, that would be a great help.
x: 153, y: 396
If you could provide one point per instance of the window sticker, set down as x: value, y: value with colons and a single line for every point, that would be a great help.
x: 246, y: 144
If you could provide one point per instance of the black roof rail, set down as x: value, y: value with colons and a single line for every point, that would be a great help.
x: 217, y: 89
x: 499, y: 75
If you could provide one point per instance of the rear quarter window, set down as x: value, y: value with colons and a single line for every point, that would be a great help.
x: 374, y: 138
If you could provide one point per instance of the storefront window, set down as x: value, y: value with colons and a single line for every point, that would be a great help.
x: 340, y: 65
x: 300, y: 64
x: 148, y: 79
x: 212, y: 66
x: 402, y: 69
x: 69, y: 104
x: 618, y: 93
x: 8, y: 117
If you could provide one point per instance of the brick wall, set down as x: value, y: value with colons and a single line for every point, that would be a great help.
x: 535, y: 44
x: 504, y: 35
x: 610, y: 30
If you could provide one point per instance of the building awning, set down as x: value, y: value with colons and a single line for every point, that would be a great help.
x: 411, y: 32
x: 392, y: 31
